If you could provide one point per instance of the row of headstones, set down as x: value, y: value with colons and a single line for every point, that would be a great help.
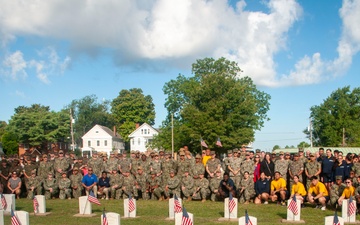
x: 85, y: 209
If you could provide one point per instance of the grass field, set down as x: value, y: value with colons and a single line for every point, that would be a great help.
x: 155, y: 213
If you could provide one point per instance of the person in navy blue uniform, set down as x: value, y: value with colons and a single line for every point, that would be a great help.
x: 104, y: 185
x: 327, y: 169
x: 262, y: 189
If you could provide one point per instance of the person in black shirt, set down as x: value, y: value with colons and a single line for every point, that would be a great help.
x: 104, y: 186
x: 262, y: 189
x: 226, y: 186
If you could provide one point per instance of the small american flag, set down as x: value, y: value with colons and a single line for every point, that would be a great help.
x: 218, y: 142
x: 186, y: 220
x: 336, y: 219
x: 3, y: 201
x: 131, y: 204
x: 93, y: 199
x: 177, y: 205
x: 293, y: 206
x: 105, y: 220
x: 14, y: 219
x: 202, y: 142
x: 351, y: 206
x: 35, y: 204
x: 231, y: 203
x: 247, y: 219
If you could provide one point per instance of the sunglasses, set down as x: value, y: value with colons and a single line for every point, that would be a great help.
x: 348, y: 182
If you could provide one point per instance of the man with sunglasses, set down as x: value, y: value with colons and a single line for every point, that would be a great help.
x: 89, y: 182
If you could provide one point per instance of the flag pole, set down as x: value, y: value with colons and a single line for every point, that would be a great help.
x: 85, y: 205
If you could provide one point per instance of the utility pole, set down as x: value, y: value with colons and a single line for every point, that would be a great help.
x: 343, y: 137
x: 310, y: 130
x: 72, y: 131
x: 172, y: 135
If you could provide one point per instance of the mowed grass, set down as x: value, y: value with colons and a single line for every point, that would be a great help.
x: 155, y: 213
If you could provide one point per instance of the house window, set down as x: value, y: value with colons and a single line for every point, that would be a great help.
x: 97, y: 131
x: 142, y: 131
x: 89, y: 143
x: 148, y: 131
x: 98, y: 143
x: 105, y: 143
x: 145, y: 131
x: 138, y: 141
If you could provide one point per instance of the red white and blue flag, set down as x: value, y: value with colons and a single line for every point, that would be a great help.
x: 131, y: 204
x: 202, y: 142
x: 105, y: 220
x: 231, y: 203
x: 93, y: 199
x: 3, y: 201
x: 35, y: 204
x: 247, y: 219
x: 14, y: 219
x: 293, y: 206
x: 186, y: 220
x: 336, y: 219
x: 177, y: 205
x: 351, y: 206
x: 218, y: 142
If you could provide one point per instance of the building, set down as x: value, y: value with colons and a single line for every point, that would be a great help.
x: 102, y: 139
x: 141, y: 137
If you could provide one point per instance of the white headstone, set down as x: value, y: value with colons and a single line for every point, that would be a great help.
x: 126, y: 208
x: 329, y: 220
x: 1, y: 217
x: 290, y: 215
x: 345, y: 211
x: 84, y: 206
x: 42, y: 203
x: 23, y: 217
x: 112, y: 218
x: 251, y: 218
x: 234, y: 212
x: 178, y: 218
x: 171, y: 207
x: 10, y: 202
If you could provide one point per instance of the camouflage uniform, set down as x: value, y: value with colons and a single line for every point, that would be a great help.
x: 5, y: 171
x: 247, y: 165
x: 61, y: 163
x: 111, y: 164
x: 155, y: 166
x: 227, y: 162
x: 32, y: 183
x: 154, y: 184
x: 335, y: 192
x: 248, y: 192
x: 182, y: 166
x: 124, y: 164
x: 356, y: 169
x: 214, y: 186
x: 45, y: 168
x: 50, y: 184
x: 312, y: 168
x: 282, y: 166
x: 201, y: 189
x: 65, y: 188
x: 295, y: 167
x: 197, y: 170
x: 134, y: 163
x: 235, y: 166
x: 187, y: 186
x: 128, y: 186
x: 76, y: 185
x: 116, y: 182
x: 173, y: 187
x: 97, y: 165
x: 140, y: 184
x: 212, y: 166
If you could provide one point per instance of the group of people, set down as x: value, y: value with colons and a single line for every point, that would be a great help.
x: 322, y: 178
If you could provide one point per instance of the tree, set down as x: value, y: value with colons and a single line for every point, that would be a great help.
x: 131, y: 107
x: 214, y: 103
x: 303, y: 144
x: 37, y: 125
x: 10, y: 143
x: 276, y: 147
x: 3, y: 125
x: 337, y: 117
x: 88, y: 112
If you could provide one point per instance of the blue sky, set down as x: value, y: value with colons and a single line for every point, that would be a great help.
x: 299, y: 52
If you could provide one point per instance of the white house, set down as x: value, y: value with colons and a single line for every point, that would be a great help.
x: 102, y: 139
x: 141, y: 137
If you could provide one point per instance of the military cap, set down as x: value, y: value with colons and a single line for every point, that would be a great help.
x: 311, y: 155
x: 140, y: 168
x: 153, y: 173
x: 94, y: 152
x: 4, y: 161
x: 198, y: 156
x: 172, y: 171
x: 338, y: 177
x: 281, y: 153
x: 301, y: 150
x: 257, y: 150
x: 212, y: 153
x: 75, y: 168
x: 296, y: 155
x: 229, y: 151
x: 182, y: 153
x: 61, y: 151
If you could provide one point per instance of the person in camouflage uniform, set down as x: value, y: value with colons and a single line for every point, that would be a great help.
x: 167, y: 165
x: 155, y: 165
x: 140, y: 184
x: 61, y: 164
x: 356, y: 166
x: 144, y: 163
x: 212, y: 165
x: 201, y: 188
x: 32, y: 185
x: 214, y: 186
x: 134, y: 162
x: 4, y: 175
x: 187, y: 185
x: 312, y: 168
x: 96, y: 164
x: 234, y: 168
x: 116, y: 182
x: 182, y: 164
x: 198, y: 168
x: 111, y: 163
x: 336, y: 190
x: 172, y: 186
x: 227, y: 160
x: 296, y: 167
x: 128, y: 185
x: 76, y: 185
x: 125, y: 164
x: 247, y: 166
x: 282, y: 165
x: 50, y: 186
x: 246, y: 188
x: 154, y: 186
x: 64, y: 186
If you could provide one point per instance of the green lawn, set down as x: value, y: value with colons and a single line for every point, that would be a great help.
x: 155, y: 213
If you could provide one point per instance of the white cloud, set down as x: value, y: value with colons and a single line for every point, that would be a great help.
x: 20, y: 94
x: 175, y: 31
x: 14, y: 66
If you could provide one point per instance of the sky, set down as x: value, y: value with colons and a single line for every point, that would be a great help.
x: 299, y: 52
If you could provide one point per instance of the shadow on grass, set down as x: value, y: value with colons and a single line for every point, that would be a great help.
x: 282, y: 215
x: 49, y: 209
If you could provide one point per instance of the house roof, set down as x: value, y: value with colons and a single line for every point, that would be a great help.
x: 142, y: 126
x: 107, y: 130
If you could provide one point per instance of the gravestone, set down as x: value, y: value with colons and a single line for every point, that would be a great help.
x: 85, y: 208
x: 1, y: 217
x: 251, y: 218
x: 234, y: 212
x: 171, y: 207
x: 178, y: 218
x: 128, y: 214
x: 10, y: 202
x: 345, y: 212
x: 112, y: 218
x: 329, y: 220
x: 23, y: 217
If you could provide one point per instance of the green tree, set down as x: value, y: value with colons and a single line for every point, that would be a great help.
x: 10, y: 143
x: 3, y: 125
x: 303, y: 144
x: 214, y: 103
x: 87, y: 112
x: 131, y: 107
x: 276, y: 147
x: 338, y: 113
x: 37, y: 125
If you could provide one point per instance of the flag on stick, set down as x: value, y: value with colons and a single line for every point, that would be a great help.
x: 293, y: 206
x: 351, y: 206
x: 3, y: 201
x: 231, y: 203
x: 93, y: 199
x: 336, y: 219
x: 202, y: 142
x: 104, y: 220
x: 131, y: 204
x: 247, y: 219
x: 35, y: 204
x: 218, y: 142
x: 186, y: 220
x: 14, y: 219
x: 177, y: 205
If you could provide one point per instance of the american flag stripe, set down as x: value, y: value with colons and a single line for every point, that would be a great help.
x: 177, y: 205
x: 3, y: 201
x: 218, y: 142
x: 202, y: 142
x: 351, y: 206
x: 231, y: 203
x: 93, y: 199
x: 247, y: 219
x: 336, y: 219
x: 186, y: 220
x: 293, y: 206
x: 131, y: 204
x: 14, y: 219
x: 35, y: 205
x: 105, y: 220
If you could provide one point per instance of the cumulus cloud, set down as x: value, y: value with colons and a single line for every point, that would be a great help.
x: 172, y: 32
x: 14, y: 66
